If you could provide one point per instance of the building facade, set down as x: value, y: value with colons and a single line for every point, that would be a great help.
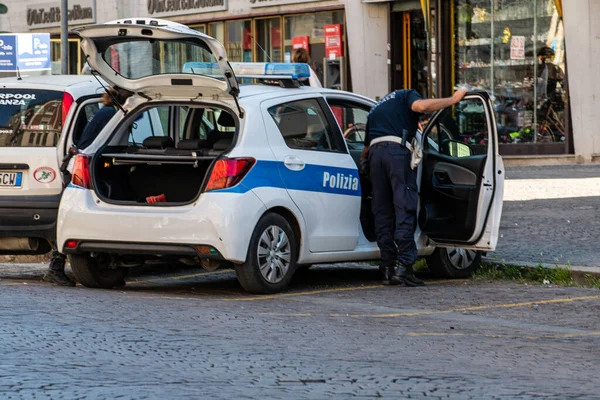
x: 522, y: 52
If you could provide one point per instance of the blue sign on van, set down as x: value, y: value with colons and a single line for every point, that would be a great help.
x: 27, y: 51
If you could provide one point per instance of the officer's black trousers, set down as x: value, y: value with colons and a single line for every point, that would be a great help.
x: 394, y: 204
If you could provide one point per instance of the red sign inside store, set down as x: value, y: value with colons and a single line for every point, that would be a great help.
x: 276, y: 36
x: 300, y: 42
x: 114, y: 59
x: 247, y: 44
x: 333, y: 41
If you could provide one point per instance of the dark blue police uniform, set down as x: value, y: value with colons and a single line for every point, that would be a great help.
x: 395, y: 195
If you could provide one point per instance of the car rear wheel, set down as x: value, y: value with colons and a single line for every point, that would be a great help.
x: 453, y: 263
x: 271, y: 259
x: 94, y: 272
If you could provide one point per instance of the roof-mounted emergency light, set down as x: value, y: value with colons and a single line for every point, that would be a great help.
x: 252, y: 70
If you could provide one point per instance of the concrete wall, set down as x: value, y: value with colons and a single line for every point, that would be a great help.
x: 582, y: 34
x: 368, y: 42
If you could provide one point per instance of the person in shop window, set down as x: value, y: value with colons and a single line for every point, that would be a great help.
x: 301, y: 56
x: 549, y: 76
x: 391, y: 125
x: 56, y: 269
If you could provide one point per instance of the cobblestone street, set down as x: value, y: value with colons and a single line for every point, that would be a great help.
x: 198, y: 335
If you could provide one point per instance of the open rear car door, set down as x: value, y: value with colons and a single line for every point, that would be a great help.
x: 462, y: 176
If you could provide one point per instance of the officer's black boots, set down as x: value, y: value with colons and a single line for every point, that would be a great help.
x: 58, y: 278
x: 56, y: 272
x: 387, y: 274
x: 406, y: 276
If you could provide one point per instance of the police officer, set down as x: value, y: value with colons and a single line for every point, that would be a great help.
x: 391, y: 125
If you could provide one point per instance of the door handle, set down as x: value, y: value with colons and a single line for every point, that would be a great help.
x: 293, y: 163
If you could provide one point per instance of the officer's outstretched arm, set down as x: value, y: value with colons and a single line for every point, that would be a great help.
x: 431, y: 105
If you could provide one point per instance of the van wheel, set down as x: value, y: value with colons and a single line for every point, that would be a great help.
x: 271, y: 259
x: 453, y: 263
x: 94, y: 272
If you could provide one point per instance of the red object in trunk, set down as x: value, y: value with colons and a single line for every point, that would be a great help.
x: 161, y: 198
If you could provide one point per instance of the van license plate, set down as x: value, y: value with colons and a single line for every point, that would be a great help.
x: 11, y: 179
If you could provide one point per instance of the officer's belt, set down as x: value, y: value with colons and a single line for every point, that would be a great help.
x: 394, y: 139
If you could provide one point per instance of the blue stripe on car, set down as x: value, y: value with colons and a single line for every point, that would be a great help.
x: 313, y: 178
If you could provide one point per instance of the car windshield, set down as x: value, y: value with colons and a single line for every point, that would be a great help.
x: 30, y: 117
x: 137, y: 59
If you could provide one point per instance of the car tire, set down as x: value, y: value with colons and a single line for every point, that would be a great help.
x: 94, y: 273
x: 272, y: 254
x: 453, y: 263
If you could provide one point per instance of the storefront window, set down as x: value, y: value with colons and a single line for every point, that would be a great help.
x: 217, y: 31
x: 309, y: 30
x: 514, y: 49
x: 239, y: 41
x: 268, y: 40
x: 199, y: 28
x: 76, y: 57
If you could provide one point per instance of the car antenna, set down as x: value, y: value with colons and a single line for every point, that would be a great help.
x: 114, y: 99
x: 19, y: 74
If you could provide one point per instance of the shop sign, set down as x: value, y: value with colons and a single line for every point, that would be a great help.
x: 333, y: 41
x: 299, y: 42
x: 517, y: 48
x: 273, y: 3
x: 25, y: 52
x: 169, y: 8
x: 48, y: 15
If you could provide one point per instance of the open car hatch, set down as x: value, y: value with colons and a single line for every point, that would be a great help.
x: 147, y: 56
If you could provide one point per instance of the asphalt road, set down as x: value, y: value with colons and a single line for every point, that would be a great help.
x: 336, y: 334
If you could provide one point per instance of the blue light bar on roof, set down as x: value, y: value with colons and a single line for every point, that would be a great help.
x: 252, y: 70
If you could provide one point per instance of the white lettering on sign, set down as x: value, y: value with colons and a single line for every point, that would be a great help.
x: 83, y: 12
x: 340, y: 181
x: 273, y: 3
x: 178, y: 7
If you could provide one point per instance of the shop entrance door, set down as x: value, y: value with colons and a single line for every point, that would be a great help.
x: 409, y: 51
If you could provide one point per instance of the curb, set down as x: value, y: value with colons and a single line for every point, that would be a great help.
x: 578, y: 272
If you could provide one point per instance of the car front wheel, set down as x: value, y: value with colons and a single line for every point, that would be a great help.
x: 271, y: 259
x: 94, y: 272
x: 453, y: 263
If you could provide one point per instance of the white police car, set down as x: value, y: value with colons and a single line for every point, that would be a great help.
x: 255, y: 176
x: 35, y: 111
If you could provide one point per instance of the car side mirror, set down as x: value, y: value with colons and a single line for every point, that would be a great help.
x: 457, y: 149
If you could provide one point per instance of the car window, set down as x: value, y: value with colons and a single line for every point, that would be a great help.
x: 461, y: 130
x: 30, y: 117
x: 194, y: 123
x: 352, y: 119
x: 304, y: 125
x: 150, y: 123
x: 85, y: 115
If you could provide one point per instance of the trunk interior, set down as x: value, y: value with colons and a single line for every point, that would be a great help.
x: 145, y: 165
x: 179, y: 183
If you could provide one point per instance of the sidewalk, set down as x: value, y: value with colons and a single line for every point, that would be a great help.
x: 551, y: 216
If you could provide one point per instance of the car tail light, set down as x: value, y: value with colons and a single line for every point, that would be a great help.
x: 81, y: 172
x: 67, y: 102
x: 228, y: 172
x: 71, y: 244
